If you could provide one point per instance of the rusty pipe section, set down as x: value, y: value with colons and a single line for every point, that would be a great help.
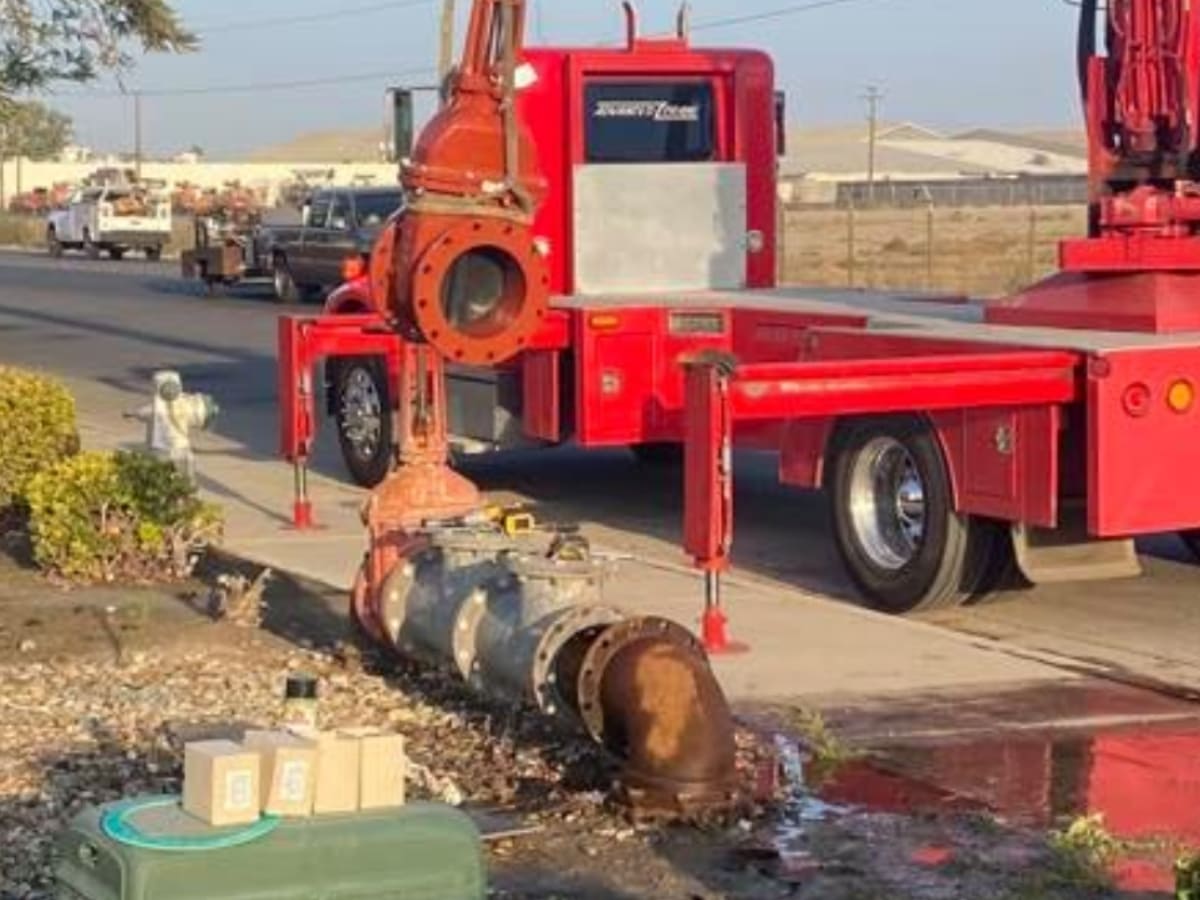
x: 521, y: 620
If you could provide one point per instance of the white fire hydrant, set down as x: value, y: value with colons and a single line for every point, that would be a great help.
x: 170, y: 419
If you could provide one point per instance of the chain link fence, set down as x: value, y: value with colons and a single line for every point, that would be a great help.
x: 980, y: 251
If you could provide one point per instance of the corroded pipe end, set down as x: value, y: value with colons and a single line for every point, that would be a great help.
x: 648, y: 695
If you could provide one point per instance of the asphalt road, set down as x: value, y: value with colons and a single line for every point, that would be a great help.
x: 117, y: 323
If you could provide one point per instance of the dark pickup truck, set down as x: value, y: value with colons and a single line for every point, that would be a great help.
x: 338, y: 224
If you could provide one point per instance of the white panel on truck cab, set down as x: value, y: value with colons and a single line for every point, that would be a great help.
x: 655, y: 226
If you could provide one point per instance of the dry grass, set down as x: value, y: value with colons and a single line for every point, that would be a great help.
x: 30, y: 231
x: 342, y: 145
x: 984, y: 251
x: 21, y: 231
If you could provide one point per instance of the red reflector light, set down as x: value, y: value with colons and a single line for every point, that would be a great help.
x: 1136, y: 399
x: 353, y: 267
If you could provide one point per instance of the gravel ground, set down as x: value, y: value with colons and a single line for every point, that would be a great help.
x: 101, y: 688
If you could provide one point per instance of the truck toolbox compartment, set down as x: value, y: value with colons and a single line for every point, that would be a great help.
x: 418, y: 852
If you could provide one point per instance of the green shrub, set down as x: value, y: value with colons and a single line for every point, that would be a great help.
x: 124, y: 516
x: 37, y: 429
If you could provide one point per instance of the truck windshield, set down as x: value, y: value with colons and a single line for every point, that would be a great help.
x: 649, y: 121
x: 374, y: 208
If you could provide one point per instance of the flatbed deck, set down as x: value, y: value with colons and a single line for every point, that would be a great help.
x: 899, y: 314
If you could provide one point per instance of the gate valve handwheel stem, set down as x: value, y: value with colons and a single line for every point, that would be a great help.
x: 714, y: 624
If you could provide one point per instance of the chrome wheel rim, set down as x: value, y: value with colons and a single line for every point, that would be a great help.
x: 362, y: 413
x: 281, y: 283
x: 887, y: 503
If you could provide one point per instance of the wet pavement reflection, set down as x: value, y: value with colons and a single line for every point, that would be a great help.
x: 1144, y: 782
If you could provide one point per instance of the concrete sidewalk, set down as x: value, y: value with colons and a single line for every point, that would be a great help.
x: 805, y: 649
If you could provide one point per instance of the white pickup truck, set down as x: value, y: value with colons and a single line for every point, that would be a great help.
x: 112, y: 219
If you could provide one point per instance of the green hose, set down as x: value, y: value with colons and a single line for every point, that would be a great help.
x: 116, y: 825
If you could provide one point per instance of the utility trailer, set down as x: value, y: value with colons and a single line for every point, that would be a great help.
x: 1051, y: 428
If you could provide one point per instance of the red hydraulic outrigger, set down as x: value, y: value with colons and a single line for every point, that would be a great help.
x: 720, y: 396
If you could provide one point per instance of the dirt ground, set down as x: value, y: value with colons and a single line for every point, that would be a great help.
x: 101, y: 688
x: 979, y: 252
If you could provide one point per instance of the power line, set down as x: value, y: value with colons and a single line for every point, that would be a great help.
x: 794, y: 9
x: 299, y: 84
x: 284, y: 21
x: 260, y: 86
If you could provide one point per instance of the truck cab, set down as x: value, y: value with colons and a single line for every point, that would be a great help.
x: 112, y: 218
x: 337, y: 227
x: 653, y: 138
x: 660, y: 138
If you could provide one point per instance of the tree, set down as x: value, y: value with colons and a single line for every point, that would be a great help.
x: 43, y: 41
x: 32, y: 130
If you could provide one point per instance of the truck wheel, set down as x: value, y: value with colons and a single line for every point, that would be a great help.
x: 53, y: 245
x: 154, y: 254
x: 1192, y: 539
x: 90, y: 247
x: 117, y: 253
x: 902, y: 543
x: 286, y: 290
x: 363, y: 414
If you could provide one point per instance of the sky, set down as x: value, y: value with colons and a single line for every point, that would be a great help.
x: 943, y: 63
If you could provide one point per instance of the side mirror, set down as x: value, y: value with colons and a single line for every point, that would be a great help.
x: 780, y: 124
x: 402, y: 123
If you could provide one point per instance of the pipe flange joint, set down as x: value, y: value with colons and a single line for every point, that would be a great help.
x: 516, y: 323
x: 543, y: 678
x: 606, y: 648
x: 465, y: 640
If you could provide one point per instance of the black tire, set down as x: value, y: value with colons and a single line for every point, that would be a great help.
x: 154, y: 254
x: 116, y: 253
x: 898, y: 566
x: 90, y: 247
x: 286, y: 289
x: 666, y: 455
x: 1192, y: 540
x: 365, y: 437
x: 53, y: 245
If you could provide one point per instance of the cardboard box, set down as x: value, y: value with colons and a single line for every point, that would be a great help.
x: 221, y: 782
x: 288, y: 779
x: 382, y: 767
x: 337, y: 771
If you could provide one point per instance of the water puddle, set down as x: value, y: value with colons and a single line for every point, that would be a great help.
x: 1144, y: 785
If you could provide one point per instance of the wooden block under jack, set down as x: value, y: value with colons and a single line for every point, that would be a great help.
x: 337, y: 771
x: 382, y: 767
x: 221, y: 783
x: 1047, y: 556
x: 288, y: 779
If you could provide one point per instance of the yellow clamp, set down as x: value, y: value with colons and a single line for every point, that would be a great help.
x: 512, y: 521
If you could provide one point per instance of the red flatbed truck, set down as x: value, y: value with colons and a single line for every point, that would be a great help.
x: 1061, y: 423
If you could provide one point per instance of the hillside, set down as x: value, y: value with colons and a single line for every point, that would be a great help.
x: 345, y: 145
x: 362, y: 144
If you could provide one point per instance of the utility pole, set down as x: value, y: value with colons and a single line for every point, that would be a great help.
x: 446, y: 50
x: 873, y: 96
x: 137, y: 134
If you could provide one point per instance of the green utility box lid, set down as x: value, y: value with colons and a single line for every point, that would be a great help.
x: 416, y: 852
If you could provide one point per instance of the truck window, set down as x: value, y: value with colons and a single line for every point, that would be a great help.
x: 318, y: 211
x: 339, y: 212
x: 376, y: 208
x: 649, y: 121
